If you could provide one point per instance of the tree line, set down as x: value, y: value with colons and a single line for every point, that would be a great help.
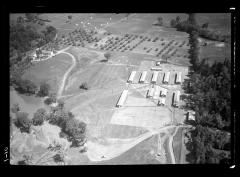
x: 208, y: 93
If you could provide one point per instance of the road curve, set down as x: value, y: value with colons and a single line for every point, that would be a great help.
x: 60, y: 90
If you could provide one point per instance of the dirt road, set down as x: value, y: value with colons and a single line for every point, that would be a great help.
x: 171, y: 146
x: 61, y: 87
x: 116, y: 147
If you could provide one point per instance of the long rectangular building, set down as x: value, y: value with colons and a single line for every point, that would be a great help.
x: 154, y: 77
x: 166, y: 77
x: 143, y: 77
x: 150, y: 93
x: 176, y: 98
x: 122, y: 98
x: 179, y: 78
x: 131, y: 77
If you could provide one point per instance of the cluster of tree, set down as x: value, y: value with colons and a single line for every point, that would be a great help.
x: 72, y: 128
x: 21, y: 36
x: 208, y: 93
x: 49, y: 33
x: 203, y: 31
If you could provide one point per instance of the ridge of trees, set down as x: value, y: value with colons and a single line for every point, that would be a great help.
x: 208, y: 93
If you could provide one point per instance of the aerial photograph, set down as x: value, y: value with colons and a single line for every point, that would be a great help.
x: 119, y: 88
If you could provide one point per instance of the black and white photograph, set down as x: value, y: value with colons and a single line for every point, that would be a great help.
x: 120, y: 88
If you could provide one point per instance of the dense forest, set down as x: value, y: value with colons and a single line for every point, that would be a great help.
x: 208, y: 93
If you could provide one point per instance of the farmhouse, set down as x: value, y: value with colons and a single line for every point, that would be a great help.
x: 154, y: 77
x: 122, y: 98
x: 143, y: 77
x: 166, y: 77
x: 176, y: 98
x: 131, y: 77
x: 190, y: 115
x: 178, y: 78
x: 163, y: 92
x: 150, y: 93
x: 161, y: 102
x: 156, y: 68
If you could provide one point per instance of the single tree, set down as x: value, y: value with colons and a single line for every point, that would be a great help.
x: 160, y: 21
x: 44, y: 90
x: 173, y: 23
x: 84, y: 86
x: 178, y: 19
x: 107, y: 55
x: 205, y: 25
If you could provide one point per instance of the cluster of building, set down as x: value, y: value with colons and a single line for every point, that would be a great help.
x: 178, y: 77
x: 155, y: 92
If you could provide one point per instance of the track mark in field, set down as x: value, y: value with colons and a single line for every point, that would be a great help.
x: 66, y: 74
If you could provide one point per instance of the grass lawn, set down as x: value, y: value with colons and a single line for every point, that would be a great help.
x: 50, y: 71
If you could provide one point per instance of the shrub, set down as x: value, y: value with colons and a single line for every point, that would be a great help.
x: 15, y: 108
x: 23, y: 122
x: 107, y: 55
x: 84, y: 86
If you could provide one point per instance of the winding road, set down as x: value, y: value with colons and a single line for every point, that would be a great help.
x: 61, y: 87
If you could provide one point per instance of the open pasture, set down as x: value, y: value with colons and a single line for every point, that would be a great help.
x: 50, y: 71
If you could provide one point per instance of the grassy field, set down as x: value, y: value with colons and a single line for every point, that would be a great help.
x: 50, y: 71
x: 215, y: 53
x: 142, y: 153
x: 27, y: 104
x: 217, y: 21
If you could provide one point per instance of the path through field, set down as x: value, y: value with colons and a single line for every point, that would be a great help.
x: 66, y: 74
x: 116, y: 147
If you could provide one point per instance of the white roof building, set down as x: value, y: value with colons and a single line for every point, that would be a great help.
x: 122, y: 98
x: 163, y: 92
x: 143, y: 77
x: 166, y: 77
x: 131, y: 77
x: 179, y: 78
x: 155, y: 76
x: 150, y: 93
